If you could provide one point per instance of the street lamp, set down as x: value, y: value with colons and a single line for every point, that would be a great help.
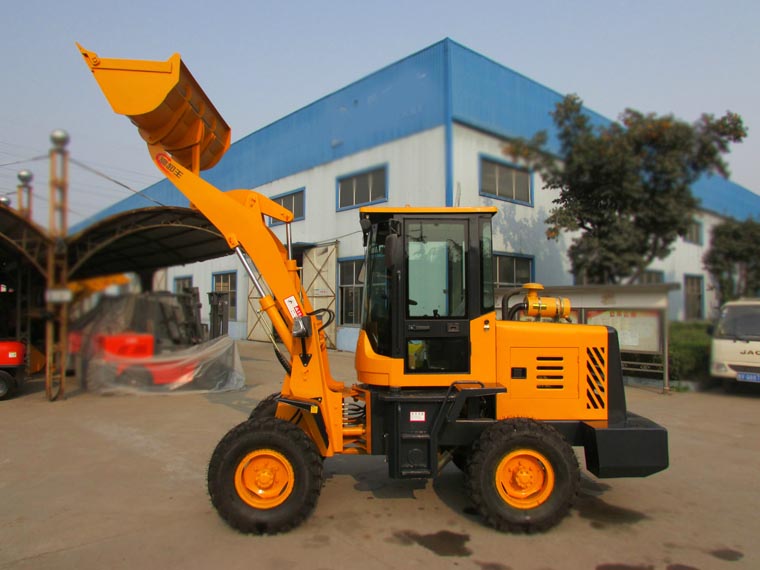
x: 60, y: 139
x: 59, y: 166
x: 24, y: 193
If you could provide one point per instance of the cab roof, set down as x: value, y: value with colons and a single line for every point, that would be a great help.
x: 440, y: 210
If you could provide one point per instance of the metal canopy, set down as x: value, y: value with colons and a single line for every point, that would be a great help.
x: 136, y: 241
x: 22, y: 240
x: 143, y: 241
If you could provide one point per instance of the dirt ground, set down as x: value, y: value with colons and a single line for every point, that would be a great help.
x: 96, y: 482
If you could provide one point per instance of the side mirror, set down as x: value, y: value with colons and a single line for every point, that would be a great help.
x: 394, y: 252
x: 366, y: 226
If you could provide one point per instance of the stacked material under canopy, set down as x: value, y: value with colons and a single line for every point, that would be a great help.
x: 148, y: 343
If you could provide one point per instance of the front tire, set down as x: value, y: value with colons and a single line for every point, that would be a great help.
x: 522, y: 476
x: 265, y: 476
x: 266, y: 408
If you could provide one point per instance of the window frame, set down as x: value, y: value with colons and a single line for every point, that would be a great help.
x: 695, y: 227
x: 686, y: 294
x: 232, y: 298
x: 651, y: 277
x: 513, y: 256
x: 275, y: 198
x: 356, y: 174
x: 183, y: 278
x: 454, y: 279
x: 483, y: 158
x: 358, y: 319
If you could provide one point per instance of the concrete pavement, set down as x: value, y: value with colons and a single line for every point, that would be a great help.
x: 97, y: 482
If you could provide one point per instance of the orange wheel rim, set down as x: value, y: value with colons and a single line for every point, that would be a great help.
x: 264, y: 479
x: 525, y: 479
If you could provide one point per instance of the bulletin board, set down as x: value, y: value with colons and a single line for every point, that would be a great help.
x: 638, y: 330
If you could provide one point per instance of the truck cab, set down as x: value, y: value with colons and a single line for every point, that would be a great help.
x: 735, y: 354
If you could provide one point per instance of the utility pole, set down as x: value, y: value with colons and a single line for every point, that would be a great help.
x: 57, y: 294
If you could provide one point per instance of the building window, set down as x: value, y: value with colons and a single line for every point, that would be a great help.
x: 505, y: 181
x: 651, y: 277
x: 227, y: 282
x: 183, y: 284
x: 694, y: 233
x: 350, y: 292
x: 293, y: 201
x: 362, y: 188
x: 693, y: 287
x: 512, y: 270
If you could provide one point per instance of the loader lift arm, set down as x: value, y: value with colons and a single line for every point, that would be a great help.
x: 186, y: 134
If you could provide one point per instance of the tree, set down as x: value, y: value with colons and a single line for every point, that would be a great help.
x: 626, y: 186
x: 732, y: 259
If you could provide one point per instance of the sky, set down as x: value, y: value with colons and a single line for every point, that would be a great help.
x: 261, y: 60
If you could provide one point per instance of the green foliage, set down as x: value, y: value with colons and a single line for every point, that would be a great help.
x: 689, y: 354
x: 626, y: 186
x: 732, y: 259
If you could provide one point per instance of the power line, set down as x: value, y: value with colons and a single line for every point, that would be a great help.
x: 92, y: 170
x: 22, y: 161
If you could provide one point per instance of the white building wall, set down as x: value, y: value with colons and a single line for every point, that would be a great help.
x: 415, y: 176
x: 518, y: 229
x: 415, y: 171
x: 686, y: 259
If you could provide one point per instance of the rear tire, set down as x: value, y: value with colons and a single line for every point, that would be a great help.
x: 7, y: 385
x: 265, y: 476
x: 522, y: 476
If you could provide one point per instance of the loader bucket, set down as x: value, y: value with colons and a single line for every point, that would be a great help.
x: 166, y: 104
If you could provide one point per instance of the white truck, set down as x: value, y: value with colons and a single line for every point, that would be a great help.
x: 735, y: 355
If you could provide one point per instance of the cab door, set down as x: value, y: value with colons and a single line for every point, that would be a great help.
x: 436, y: 331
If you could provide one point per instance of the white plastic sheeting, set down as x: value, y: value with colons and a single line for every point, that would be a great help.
x: 211, y: 366
x: 150, y: 343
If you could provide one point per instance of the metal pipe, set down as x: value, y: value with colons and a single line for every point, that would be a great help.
x: 289, y: 240
x: 516, y: 309
x: 249, y: 271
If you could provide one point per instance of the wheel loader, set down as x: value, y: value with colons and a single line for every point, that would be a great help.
x: 440, y: 376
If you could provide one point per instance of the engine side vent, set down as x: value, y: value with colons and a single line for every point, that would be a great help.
x: 596, y: 378
x: 550, y: 372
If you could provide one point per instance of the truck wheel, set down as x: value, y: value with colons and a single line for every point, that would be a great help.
x: 265, y: 476
x: 523, y: 476
x: 7, y: 385
x: 266, y: 408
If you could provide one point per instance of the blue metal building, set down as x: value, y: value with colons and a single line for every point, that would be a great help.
x: 426, y: 130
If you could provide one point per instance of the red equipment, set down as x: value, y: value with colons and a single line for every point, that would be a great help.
x: 12, y: 367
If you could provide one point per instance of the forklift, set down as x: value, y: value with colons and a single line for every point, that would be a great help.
x: 439, y: 376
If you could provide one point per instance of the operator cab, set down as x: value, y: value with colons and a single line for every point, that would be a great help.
x: 428, y: 276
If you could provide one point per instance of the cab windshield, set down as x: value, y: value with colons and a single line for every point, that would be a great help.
x: 739, y: 322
